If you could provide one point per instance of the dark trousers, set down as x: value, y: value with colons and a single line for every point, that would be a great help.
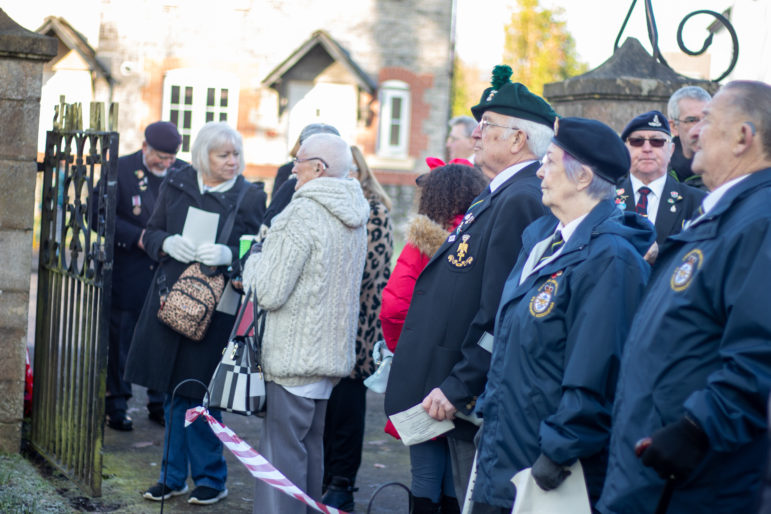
x: 344, y: 430
x: 122, y: 325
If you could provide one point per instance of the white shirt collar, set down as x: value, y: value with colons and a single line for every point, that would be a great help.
x: 713, y: 197
x: 567, y: 230
x: 656, y: 186
x: 506, y: 174
x: 219, y: 188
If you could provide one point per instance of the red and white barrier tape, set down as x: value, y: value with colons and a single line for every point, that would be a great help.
x: 257, y: 465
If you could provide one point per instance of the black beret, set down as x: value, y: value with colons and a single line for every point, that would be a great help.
x: 651, y: 120
x: 163, y: 136
x: 594, y: 144
x: 514, y: 99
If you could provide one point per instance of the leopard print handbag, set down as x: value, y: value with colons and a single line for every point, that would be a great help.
x: 189, y: 305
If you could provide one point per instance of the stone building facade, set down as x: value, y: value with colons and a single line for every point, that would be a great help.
x: 379, y: 70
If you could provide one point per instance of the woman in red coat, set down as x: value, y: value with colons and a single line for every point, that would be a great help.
x: 445, y: 194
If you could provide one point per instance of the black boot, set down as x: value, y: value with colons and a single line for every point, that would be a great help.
x: 423, y: 506
x: 449, y: 505
x: 339, y: 494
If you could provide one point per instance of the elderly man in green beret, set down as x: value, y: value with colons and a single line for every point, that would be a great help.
x: 443, y: 353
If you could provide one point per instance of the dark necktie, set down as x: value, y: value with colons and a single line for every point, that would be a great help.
x: 642, y: 204
x: 555, y: 244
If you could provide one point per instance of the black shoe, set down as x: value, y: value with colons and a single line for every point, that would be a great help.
x: 203, y: 495
x: 339, y: 494
x: 423, y: 506
x: 120, y: 421
x: 449, y: 505
x: 157, y: 417
x: 160, y: 492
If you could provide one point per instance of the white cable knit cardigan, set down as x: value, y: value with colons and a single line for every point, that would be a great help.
x: 308, y: 277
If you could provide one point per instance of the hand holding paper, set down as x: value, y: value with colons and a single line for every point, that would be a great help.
x: 438, y: 406
x: 214, y: 254
x: 179, y: 248
x: 416, y: 426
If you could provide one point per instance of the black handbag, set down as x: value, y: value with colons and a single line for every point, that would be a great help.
x: 237, y: 384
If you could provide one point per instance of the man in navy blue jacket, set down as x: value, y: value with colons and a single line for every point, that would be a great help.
x: 139, y: 179
x: 696, y: 371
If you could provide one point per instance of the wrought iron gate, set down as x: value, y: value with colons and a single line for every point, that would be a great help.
x: 73, y: 301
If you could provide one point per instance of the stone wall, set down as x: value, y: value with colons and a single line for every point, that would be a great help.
x: 22, y: 55
x: 631, y: 82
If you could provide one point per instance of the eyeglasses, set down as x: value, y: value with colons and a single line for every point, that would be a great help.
x: 690, y: 120
x: 297, y: 160
x: 656, y: 142
x: 486, y: 123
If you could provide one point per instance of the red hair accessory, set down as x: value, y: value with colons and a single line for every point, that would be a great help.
x: 434, y: 162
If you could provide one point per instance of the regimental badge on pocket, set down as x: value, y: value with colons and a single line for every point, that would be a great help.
x: 461, y: 258
x: 683, y: 274
x: 543, y: 302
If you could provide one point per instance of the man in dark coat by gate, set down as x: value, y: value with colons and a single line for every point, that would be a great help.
x: 442, y: 359
x: 139, y: 179
x: 695, y: 375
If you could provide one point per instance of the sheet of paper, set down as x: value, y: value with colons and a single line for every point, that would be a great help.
x: 416, y: 426
x: 570, y: 496
x: 200, y: 226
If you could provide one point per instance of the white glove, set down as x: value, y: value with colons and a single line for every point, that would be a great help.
x: 179, y: 248
x: 214, y: 254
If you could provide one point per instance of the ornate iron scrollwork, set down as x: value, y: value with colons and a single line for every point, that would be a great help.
x: 653, y: 35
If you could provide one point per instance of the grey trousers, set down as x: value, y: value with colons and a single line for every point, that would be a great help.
x: 292, y: 440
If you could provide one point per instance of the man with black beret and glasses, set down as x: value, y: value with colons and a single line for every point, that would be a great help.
x: 649, y: 190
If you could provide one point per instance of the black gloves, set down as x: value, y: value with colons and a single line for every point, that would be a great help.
x: 675, y: 450
x: 547, y: 473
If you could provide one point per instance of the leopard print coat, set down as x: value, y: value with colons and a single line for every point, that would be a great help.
x: 377, y: 269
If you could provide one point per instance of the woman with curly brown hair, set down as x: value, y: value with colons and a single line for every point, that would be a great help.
x: 445, y: 194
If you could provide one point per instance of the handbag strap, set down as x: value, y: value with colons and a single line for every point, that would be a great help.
x: 227, y: 228
x: 240, y: 316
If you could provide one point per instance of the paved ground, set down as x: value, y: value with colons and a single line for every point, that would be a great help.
x: 132, y: 460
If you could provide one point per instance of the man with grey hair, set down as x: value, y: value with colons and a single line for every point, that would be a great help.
x: 307, y: 277
x: 460, y: 144
x: 689, y: 422
x: 443, y: 355
x: 284, y: 183
x: 684, y: 111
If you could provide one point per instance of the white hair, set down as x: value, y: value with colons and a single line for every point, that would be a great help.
x: 333, y: 150
x: 212, y: 136
x: 538, y: 135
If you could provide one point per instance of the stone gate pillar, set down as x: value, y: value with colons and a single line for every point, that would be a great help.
x: 22, y: 56
x: 631, y: 82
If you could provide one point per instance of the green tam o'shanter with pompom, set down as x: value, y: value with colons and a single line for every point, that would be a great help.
x: 513, y: 99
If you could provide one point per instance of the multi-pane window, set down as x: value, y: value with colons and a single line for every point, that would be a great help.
x: 393, y: 140
x: 194, y: 97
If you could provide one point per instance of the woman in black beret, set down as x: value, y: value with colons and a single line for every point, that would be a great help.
x: 562, y: 320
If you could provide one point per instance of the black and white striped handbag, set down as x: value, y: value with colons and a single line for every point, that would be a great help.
x: 237, y: 384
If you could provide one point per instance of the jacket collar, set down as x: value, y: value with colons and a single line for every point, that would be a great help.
x: 706, y: 227
x: 185, y: 180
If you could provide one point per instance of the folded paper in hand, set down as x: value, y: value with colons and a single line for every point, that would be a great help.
x: 416, y: 426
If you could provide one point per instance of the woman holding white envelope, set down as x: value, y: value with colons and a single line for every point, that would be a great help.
x: 563, y: 317
x: 190, y: 200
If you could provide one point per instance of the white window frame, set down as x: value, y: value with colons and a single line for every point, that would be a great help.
x: 199, y: 83
x: 394, y: 144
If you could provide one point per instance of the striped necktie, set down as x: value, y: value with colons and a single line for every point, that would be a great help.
x: 642, y: 204
x: 556, y: 244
